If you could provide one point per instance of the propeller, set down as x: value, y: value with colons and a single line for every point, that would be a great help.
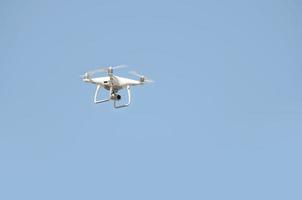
x: 142, y: 78
x: 85, y: 76
x: 109, y: 70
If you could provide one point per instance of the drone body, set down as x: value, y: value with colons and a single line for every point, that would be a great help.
x: 113, y: 84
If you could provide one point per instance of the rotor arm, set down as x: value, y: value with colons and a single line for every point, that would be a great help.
x: 129, y: 99
x: 90, y: 80
x: 96, y: 94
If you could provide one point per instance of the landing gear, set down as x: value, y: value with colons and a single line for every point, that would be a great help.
x: 129, y: 99
x: 96, y: 94
x: 113, y: 96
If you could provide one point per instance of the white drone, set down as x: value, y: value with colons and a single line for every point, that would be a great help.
x: 113, y: 84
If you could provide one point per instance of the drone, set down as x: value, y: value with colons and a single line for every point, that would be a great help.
x: 113, y: 84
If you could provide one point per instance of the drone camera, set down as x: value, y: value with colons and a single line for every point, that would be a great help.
x: 116, y: 97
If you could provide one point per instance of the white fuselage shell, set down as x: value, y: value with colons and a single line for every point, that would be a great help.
x: 118, y: 82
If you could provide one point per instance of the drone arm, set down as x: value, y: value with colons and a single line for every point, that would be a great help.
x: 129, y: 99
x: 90, y: 80
x: 96, y: 94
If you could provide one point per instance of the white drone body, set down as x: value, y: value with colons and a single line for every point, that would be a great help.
x: 113, y: 84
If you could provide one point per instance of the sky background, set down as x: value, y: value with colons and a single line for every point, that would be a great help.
x: 222, y: 121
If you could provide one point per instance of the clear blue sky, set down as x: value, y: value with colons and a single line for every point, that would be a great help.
x: 222, y: 121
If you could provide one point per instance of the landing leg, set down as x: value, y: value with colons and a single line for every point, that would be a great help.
x: 96, y: 94
x: 129, y: 100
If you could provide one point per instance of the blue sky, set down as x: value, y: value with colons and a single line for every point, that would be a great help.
x: 222, y: 120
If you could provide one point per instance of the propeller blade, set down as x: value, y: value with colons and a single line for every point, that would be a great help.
x: 135, y: 73
x: 149, y: 81
x: 106, y: 69
x: 119, y: 66
x: 146, y: 79
x: 86, y: 75
x: 92, y: 72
